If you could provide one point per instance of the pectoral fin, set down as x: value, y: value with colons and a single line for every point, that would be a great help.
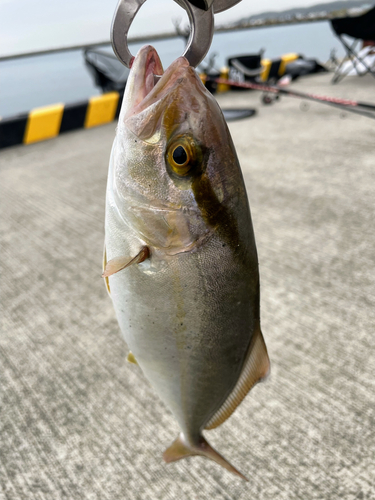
x: 119, y: 263
x: 255, y: 369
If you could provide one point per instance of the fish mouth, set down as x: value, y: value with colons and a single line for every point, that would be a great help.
x: 148, y: 83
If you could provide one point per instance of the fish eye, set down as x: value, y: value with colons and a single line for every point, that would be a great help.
x: 179, y: 155
x: 182, y: 155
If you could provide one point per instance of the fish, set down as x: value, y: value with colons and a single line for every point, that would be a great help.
x: 180, y: 259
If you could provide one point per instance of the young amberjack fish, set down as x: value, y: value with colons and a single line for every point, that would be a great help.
x: 180, y: 257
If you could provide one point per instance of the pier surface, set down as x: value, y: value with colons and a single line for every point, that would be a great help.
x: 78, y: 422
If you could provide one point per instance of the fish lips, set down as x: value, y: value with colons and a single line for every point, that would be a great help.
x: 140, y: 81
x: 147, y: 98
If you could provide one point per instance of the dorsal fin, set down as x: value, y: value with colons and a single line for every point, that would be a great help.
x: 256, y: 368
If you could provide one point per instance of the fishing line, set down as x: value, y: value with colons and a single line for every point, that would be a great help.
x: 344, y: 104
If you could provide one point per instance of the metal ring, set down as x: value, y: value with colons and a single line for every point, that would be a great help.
x: 201, y: 31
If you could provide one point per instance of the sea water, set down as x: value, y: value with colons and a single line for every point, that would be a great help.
x: 63, y: 77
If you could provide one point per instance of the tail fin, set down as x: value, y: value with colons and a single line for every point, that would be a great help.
x: 181, y: 448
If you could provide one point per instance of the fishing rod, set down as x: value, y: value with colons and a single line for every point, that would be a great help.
x: 347, y: 104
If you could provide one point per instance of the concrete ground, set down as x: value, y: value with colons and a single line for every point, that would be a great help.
x: 78, y: 422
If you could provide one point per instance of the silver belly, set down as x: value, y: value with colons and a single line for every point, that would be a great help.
x: 188, y: 319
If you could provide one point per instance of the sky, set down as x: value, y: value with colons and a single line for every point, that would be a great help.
x: 27, y: 25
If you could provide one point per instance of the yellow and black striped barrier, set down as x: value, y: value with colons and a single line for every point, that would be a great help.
x: 276, y: 68
x: 49, y: 121
x: 271, y: 69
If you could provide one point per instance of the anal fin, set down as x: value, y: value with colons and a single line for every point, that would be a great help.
x: 255, y: 369
x: 131, y: 358
x: 119, y: 263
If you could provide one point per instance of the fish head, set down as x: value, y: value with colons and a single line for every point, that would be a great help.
x: 175, y: 166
